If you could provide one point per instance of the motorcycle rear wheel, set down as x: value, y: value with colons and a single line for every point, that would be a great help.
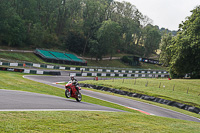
x: 79, y: 97
x: 67, y: 93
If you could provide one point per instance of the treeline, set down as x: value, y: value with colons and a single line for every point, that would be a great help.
x: 167, y: 31
x: 181, y: 53
x: 92, y: 27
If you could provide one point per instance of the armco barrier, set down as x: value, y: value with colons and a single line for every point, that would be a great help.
x: 121, y: 75
x: 40, y: 72
x: 30, y: 71
x: 11, y: 69
x: 83, y: 69
x: 145, y: 97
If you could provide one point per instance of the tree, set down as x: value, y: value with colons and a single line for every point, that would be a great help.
x: 152, y: 39
x: 95, y: 49
x: 109, y: 37
x: 12, y: 30
x: 78, y: 25
x: 185, y: 48
x: 74, y: 41
x: 93, y: 12
x: 165, y: 47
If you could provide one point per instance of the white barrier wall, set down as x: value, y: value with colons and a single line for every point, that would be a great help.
x: 100, y: 70
x: 72, y: 68
x: 36, y: 65
x: 13, y: 64
x: 94, y: 74
x: 50, y: 67
x: 62, y: 68
x: 39, y: 72
x: 108, y: 71
x: 112, y: 74
x: 26, y: 71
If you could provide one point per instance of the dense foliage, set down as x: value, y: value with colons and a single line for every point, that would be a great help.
x: 182, y: 52
x: 92, y: 27
x: 167, y: 31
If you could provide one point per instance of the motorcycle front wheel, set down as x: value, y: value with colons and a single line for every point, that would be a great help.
x: 67, y: 93
x: 79, y: 97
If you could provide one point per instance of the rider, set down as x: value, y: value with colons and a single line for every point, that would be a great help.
x: 74, y: 82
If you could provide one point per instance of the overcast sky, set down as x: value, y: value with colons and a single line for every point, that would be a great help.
x: 165, y: 13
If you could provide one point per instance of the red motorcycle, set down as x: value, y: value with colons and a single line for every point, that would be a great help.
x: 72, y: 92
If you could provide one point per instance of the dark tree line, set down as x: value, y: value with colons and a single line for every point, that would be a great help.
x: 92, y: 27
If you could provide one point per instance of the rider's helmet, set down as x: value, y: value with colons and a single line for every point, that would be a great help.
x: 72, y: 77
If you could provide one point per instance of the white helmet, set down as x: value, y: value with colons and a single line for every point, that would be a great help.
x: 72, y: 76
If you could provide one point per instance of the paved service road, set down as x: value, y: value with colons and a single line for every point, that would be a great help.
x: 152, y: 109
x: 11, y: 100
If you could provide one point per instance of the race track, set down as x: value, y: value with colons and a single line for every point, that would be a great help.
x: 11, y: 100
x: 128, y: 103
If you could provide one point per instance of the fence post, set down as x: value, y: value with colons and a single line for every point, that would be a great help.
x: 146, y: 84
x: 160, y: 85
x: 173, y: 87
x: 187, y: 90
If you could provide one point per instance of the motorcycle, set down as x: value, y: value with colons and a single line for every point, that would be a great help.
x: 72, y: 92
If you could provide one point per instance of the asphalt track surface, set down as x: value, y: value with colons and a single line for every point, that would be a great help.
x: 11, y: 100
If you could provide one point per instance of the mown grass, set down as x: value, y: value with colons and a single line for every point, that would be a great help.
x: 92, y: 122
x: 73, y: 121
x: 181, y: 90
x: 29, y: 57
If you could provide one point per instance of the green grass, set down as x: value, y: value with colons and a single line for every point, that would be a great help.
x: 107, y: 63
x: 180, y: 94
x: 120, y: 64
x: 92, y: 122
x: 31, y: 57
x: 85, y: 121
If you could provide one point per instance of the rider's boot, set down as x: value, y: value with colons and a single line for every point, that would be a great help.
x: 77, y: 89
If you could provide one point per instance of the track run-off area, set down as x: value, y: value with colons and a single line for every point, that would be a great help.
x: 44, y: 102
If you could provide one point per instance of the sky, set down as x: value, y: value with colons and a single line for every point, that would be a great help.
x: 165, y: 13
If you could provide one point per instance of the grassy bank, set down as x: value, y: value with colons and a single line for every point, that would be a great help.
x: 31, y: 57
x: 120, y: 64
x: 91, y: 122
x: 180, y: 90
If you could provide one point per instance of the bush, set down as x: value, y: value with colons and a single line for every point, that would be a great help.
x: 125, y: 59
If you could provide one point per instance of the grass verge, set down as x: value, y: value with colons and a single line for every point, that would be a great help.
x: 91, y: 122
x: 181, y: 90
